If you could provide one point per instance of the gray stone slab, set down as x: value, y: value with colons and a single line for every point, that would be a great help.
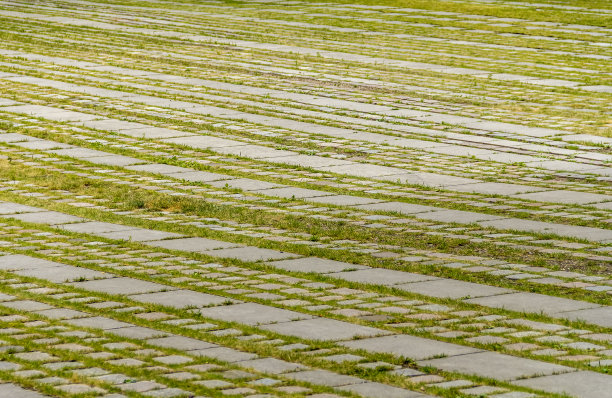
x: 181, y: 343
x: 324, y: 378
x: 412, y: 347
x: 380, y: 276
x: 245, y: 184
x: 496, y: 366
x: 14, y: 208
x: 574, y: 231
x: 379, y: 390
x: 397, y: 207
x: 26, y: 305
x: 153, y: 133
x: 496, y: 188
x: 95, y: 227
x: 601, y: 316
x: 566, y: 197
x: 253, y: 151
x: 10, y: 390
x: 47, y: 112
x: 294, y: 193
x: 251, y: 253
x: 323, y: 329
x: 121, y: 285
x: 63, y: 273
x: 343, y: 200
x: 98, y: 322
x: 252, y: 314
x: 200, y: 176
x: 363, y: 170
x: 137, y: 332
x: 78, y: 153
x: 115, y: 160
x: 20, y: 262
x: 114, y: 125
x: 139, y: 235
x: 224, y: 354
x: 43, y: 145
x: 180, y: 299
x: 159, y: 168
x: 532, y: 302
x: 315, y: 264
x: 197, y: 245
x: 310, y: 161
x: 62, y: 313
x: 450, y: 288
x: 582, y: 384
x: 428, y: 179
x: 16, y: 137
x: 456, y: 216
x: 45, y: 217
x: 204, y: 142
x: 272, y: 365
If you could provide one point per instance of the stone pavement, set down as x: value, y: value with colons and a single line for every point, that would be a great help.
x: 287, y: 199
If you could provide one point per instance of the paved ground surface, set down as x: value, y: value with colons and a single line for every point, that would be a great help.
x: 383, y: 199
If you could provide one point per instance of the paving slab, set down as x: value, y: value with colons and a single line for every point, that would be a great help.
x: 181, y: 343
x: 180, y: 299
x: 315, y: 264
x: 197, y: 245
x: 450, y: 288
x: 252, y: 314
x: 13, y: 262
x: 245, y: 184
x: 343, y: 200
x: 250, y: 253
x: 224, y: 354
x: 601, y: 316
x: 14, y: 208
x: 95, y: 227
x: 532, y: 302
x: 397, y: 207
x: 137, y: 332
x: 159, y: 168
x: 324, y: 378
x: 26, y: 305
x: 378, y: 390
x: 565, y: 197
x: 98, y: 322
x: 582, y: 384
x: 573, y: 231
x: 115, y: 160
x: 200, y: 176
x: 139, y: 235
x: 496, y: 366
x: 62, y: 313
x: 45, y: 217
x: 272, y: 365
x: 380, y: 276
x: 412, y: 347
x: 323, y: 329
x: 10, y: 390
x: 456, y: 216
x: 63, y: 273
x: 496, y: 188
x: 294, y: 193
x: 121, y: 285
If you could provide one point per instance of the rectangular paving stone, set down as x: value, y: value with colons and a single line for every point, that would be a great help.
x: 343, y: 200
x: 324, y: 378
x: 115, y: 160
x: 197, y: 245
x: 496, y: 366
x: 582, y: 384
x: 250, y: 253
x: 200, y: 176
x: 412, y: 347
x: 95, y: 227
x: 180, y: 299
x: 13, y: 262
x: 62, y: 313
x: 450, y: 288
x: 323, y: 329
x: 271, y: 365
x: 532, y: 302
x: 567, y: 197
x: 181, y: 343
x: 380, y: 276
x: 252, y: 314
x: 315, y: 264
x: 456, y: 216
x: 398, y: 207
x: 378, y: 390
x: 601, y: 316
x: 63, y: 273
x: 98, y: 322
x: 26, y: 305
x: 121, y: 285
x: 14, y: 208
x: 224, y: 354
x: 159, y: 168
x: 139, y: 235
x: 573, y: 231
x: 45, y: 217
x: 294, y: 193
x: 245, y: 184
x: 10, y: 390
x: 137, y: 332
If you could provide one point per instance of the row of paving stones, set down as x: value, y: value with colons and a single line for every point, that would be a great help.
x: 297, y: 49
x: 580, y: 280
x: 277, y: 320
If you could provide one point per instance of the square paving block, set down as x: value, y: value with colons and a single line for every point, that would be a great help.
x: 139, y: 235
x: 343, y: 200
x: 250, y: 253
x: 379, y: 276
x: 252, y: 314
x: 180, y: 299
x: 271, y: 365
x: 45, y: 217
x: 26, y: 305
x: 323, y: 329
x: 121, y: 285
x: 98, y: 322
x: 63, y: 273
x: 450, y: 288
x: 412, y: 347
x: 379, y: 390
x: 197, y: 245
x: 324, y: 378
x: 181, y: 343
x: 532, y: 302
x: 397, y: 207
x: 224, y: 354
x: 456, y: 216
x: 137, y: 333
x: 496, y: 366
x: 582, y: 384
x: 315, y: 264
x: 601, y: 316
x: 14, y: 208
